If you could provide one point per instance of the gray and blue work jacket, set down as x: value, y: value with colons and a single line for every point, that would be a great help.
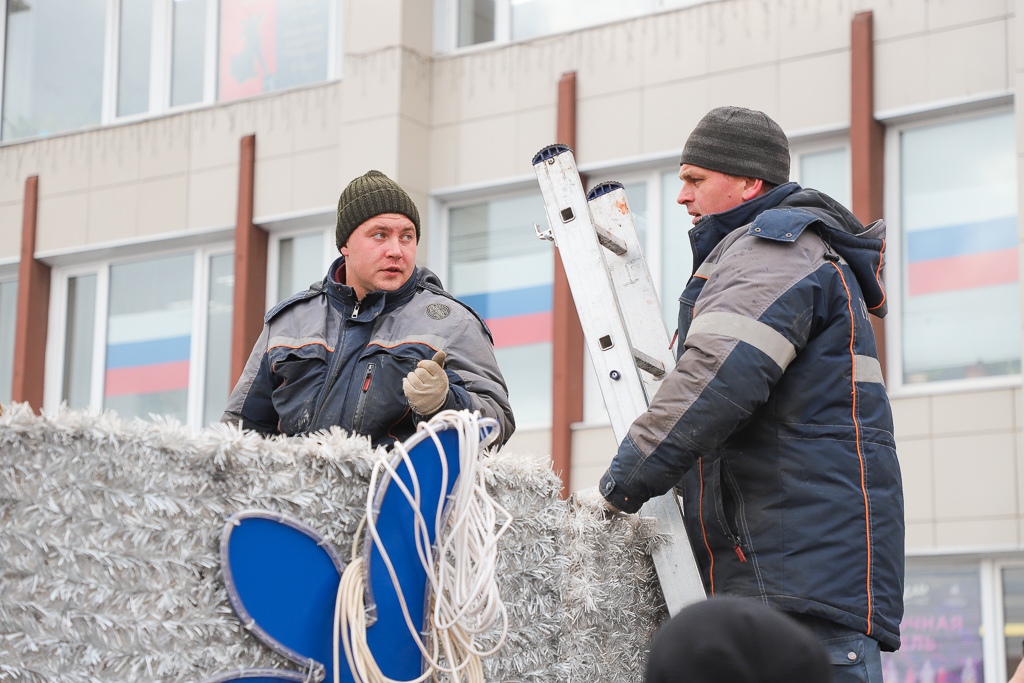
x: 326, y: 358
x: 775, y: 420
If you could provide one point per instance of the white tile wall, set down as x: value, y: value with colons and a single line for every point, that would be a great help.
x: 61, y: 221
x: 975, y: 476
x: 10, y: 230
x: 981, y: 411
x: 963, y: 535
x: 917, y: 469
x: 911, y: 417
x: 162, y: 205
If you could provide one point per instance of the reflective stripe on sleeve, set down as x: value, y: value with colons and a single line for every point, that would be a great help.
x: 705, y: 270
x: 757, y: 334
x: 867, y: 369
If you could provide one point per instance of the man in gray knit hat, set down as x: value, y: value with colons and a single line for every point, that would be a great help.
x: 775, y: 424
x: 378, y: 345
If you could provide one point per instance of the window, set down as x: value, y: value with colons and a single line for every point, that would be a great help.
x: 826, y: 170
x: 676, y: 256
x: 8, y: 315
x: 301, y: 260
x: 73, y: 64
x: 141, y: 349
x: 959, y: 311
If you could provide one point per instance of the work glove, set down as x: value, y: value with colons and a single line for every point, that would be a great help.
x: 591, y: 498
x: 426, y: 387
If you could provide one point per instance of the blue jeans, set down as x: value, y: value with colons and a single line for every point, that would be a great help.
x: 855, y: 657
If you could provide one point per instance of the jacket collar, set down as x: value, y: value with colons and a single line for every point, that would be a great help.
x: 374, y: 303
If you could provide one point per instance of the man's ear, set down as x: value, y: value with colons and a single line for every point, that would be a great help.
x: 752, y: 187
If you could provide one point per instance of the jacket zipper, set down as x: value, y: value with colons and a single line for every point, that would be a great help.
x: 355, y: 310
x: 335, y: 369
x: 357, y: 421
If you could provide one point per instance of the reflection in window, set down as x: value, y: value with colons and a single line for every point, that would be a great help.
x: 960, y: 257
x: 149, y: 336
x: 827, y: 172
x: 499, y: 267
x: 53, y: 73
x: 133, y: 57
x: 1013, y: 616
x: 188, y: 52
x: 267, y: 45
x: 677, y: 259
x: 476, y: 22
x: 941, y: 629
x: 8, y: 316
x: 78, y: 341
x: 532, y: 18
x: 301, y: 263
x: 219, y: 307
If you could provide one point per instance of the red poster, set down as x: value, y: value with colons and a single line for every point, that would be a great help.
x: 248, y: 47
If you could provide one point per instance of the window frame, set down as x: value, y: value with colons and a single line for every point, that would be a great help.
x: 274, y: 254
x: 893, y: 272
x: 826, y: 143
x: 57, y: 325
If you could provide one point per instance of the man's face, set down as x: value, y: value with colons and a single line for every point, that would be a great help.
x: 705, y: 192
x: 380, y: 254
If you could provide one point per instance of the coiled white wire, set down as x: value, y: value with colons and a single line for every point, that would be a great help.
x: 466, y: 600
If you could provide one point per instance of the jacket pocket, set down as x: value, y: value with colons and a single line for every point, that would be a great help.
x: 724, y: 499
x: 299, y: 376
x: 380, y: 403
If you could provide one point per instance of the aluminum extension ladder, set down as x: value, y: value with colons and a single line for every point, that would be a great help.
x: 624, y: 329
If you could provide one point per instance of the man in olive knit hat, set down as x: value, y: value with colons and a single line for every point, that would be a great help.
x: 775, y: 423
x: 378, y: 345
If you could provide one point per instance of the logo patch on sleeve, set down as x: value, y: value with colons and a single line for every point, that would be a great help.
x: 438, y: 311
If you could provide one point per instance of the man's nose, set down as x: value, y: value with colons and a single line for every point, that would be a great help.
x: 684, y: 196
x: 394, y: 247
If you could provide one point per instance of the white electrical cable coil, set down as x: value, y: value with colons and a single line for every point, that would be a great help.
x: 466, y: 600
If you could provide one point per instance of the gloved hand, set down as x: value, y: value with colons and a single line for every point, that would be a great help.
x: 592, y: 498
x: 426, y: 387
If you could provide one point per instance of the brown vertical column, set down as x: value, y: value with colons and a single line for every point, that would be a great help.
x: 567, y: 345
x: 33, y: 309
x: 867, y: 140
x: 250, y: 295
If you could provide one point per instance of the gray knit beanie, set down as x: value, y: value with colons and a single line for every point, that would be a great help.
x: 740, y: 142
x: 370, y: 195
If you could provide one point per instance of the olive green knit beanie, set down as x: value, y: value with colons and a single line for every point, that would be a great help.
x: 370, y: 195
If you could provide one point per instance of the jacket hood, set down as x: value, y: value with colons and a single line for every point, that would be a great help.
x: 784, y: 213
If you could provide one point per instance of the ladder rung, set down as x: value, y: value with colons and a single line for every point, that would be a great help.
x: 610, y: 241
x: 648, y: 364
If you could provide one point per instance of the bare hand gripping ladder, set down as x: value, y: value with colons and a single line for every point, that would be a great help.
x: 624, y: 329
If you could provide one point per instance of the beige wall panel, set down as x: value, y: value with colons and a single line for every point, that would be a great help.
x: 10, y: 230
x: 900, y: 72
x: 114, y: 156
x: 975, y: 476
x: 417, y: 25
x: 611, y: 59
x: 968, y: 60
x: 317, y: 118
x: 670, y: 113
x: 372, y: 85
x: 536, y: 442
x: 808, y: 28
x: 741, y: 33
x: 213, y: 197
x: 273, y: 120
x: 608, y: 127
x: 372, y: 24
x: 487, y: 150
x: 64, y: 164
x: 1012, y: 46
x: 920, y: 536
x: 489, y: 84
x: 371, y: 144
x: 446, y: 85
x: 973, y: 412
x: 272, y: 193
x: 949, y: 13
x: 585, y: 477
x: 314, y: 180
x: 422, y: 202
x: 916, y: 466
x: 535, y: 129
x: 61, y: 222
x: 163, y: 146
x: 413, y: 161
x: 113, y: 212
x: 1020, y: 472
x: 593, y: 447
x: 416, y: 87
x: 17, y: 162
x: 1018, y: 418
x: 163, y: 205
x: 814, y: 92
x: 444, y: 156
x: 977, y: 533
x: 911, y: 417
x: 674, y: 48
x: 753, y: 88
x: 214, y: 138
x: 540, y: 64
x: 895, y: 18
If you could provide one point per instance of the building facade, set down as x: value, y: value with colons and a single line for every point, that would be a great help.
x: 169, y: 169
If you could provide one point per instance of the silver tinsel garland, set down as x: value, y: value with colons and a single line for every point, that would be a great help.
x: 109, y: 564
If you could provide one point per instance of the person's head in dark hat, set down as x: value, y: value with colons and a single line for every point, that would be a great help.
x: 732, y: 156
x: 377, y: 232
x: 735, y: 640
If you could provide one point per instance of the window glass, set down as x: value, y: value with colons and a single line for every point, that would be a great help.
x: 300, y: 263
x: 959, y: 250
x: 133, y: 57
x: 78, y: 345
x: 828, y: 172
x: 500, y: 268
x: 219, y: 308
x: 476, y: 21
x: 267, y: 45
x: 149, y: 335
x: 941, y: 628
x: 8, y: 315
x: 542, y: 17
x: 1013, y: 616
x: 53, y: 74
x: 677, y: 259
x: 188, y: 56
